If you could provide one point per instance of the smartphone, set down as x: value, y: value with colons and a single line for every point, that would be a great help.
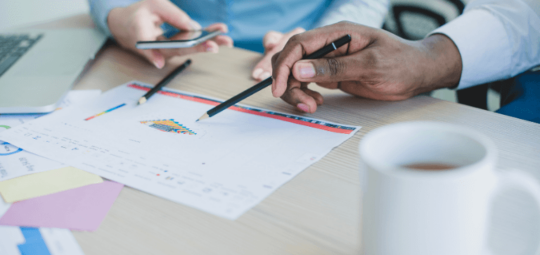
x: 182, y: 39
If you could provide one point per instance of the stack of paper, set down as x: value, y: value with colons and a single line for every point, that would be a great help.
x: 36, y: 241
x: 224, y: 165
x: 14, y: 161
x: 81, y: 209
x: 52, y: 195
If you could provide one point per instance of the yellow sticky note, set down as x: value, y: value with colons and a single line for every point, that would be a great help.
x: 45, y: 183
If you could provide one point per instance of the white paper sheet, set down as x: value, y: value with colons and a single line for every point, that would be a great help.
x: 223, y: 165
x: 60, y: 241
x: 15, y: 162
x: 57, y: 241
x: 3, y: 208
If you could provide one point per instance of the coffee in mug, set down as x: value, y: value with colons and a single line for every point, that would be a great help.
x: 430, y: 166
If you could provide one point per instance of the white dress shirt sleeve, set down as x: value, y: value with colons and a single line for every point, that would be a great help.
x: 497, y: 39
x: 366, y: 12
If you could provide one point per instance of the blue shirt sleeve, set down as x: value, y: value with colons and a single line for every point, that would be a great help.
x: 99, y: 10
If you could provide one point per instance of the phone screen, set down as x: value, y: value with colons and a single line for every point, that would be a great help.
x: 179, y: 39
x: 185, y: 35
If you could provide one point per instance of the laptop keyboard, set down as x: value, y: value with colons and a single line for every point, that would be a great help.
x: 13, y: 47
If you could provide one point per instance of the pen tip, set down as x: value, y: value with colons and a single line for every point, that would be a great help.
x: 142, y: 100
x: 203, y: 117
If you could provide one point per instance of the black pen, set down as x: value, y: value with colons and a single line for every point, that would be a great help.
x: 164, y: 82
x: 263, y: 84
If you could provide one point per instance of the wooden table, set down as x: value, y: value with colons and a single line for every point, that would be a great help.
x: 318, y: 211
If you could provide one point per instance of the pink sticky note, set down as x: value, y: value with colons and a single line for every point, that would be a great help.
x: 78, y: 209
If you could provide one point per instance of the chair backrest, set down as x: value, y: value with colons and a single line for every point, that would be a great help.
x: 414, y: 19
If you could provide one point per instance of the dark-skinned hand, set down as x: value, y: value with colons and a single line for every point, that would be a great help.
x: 375, y: 64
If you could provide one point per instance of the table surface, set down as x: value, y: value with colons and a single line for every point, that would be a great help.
x: 315, y: 213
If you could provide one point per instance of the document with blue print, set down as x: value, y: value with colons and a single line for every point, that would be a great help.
x: 46, y: 241
x: 224, y: 165
x: 15, y: 161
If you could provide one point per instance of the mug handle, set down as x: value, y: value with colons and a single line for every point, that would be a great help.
x: 516, y: 179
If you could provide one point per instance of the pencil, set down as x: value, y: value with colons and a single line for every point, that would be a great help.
x: 263, y: 84
x: 164, y: 82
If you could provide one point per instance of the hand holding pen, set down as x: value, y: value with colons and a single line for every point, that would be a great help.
x: 263, y: 84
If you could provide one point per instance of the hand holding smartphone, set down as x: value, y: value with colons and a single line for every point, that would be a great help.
x: 182, y: 39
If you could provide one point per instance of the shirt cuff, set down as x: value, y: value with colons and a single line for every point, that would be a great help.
x: 484, y: 47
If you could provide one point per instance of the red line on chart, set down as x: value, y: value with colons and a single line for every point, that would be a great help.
x: 279, y: 116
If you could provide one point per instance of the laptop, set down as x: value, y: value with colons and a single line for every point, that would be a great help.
x: 39, y: 67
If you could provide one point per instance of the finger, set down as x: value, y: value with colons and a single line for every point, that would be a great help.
x: 294, y: 95
x: 275, y: 40
x: 148, y: 32
x: 329, y: 85
x: 316, y: 95
x: 184, y: 35
x: 154, y: 56
x: 295, y: 31
x: 207, y: 46
x: 263, y: 69
x: 223, y: 40
x: 220, y: 39
x: 218, y: 27
x: 173, y: 15
x: 327, y: 70
x: 311, y: 41
x: 271, y: 39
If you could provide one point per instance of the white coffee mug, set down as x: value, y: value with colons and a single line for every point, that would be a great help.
x: 430, y: 212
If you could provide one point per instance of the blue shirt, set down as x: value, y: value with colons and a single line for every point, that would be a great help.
x: 248, y: 20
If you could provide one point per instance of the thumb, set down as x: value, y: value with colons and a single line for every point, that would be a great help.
x: 154, y: 56
x: 326, y: 70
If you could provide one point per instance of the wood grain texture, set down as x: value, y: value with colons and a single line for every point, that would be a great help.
x: 315, y: 213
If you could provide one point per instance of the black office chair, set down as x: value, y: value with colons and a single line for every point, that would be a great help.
x: 424, y: 21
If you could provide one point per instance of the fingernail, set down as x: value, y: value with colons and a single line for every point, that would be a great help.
x: 303, y: 107
x: 159, y: 64
x: 257, y: 72
x: 209, y: 48
x: 264, y: 75
x: 306, y: 70
x: 194, y: 25
x: 159, y: 61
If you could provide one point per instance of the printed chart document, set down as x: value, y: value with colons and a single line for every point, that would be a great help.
x: 14, y: 161
x: 223, y: 165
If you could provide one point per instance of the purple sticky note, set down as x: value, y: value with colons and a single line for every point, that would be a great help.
x: 78, y: 209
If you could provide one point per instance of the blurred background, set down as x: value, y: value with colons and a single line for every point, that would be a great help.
x: 411, y: 19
